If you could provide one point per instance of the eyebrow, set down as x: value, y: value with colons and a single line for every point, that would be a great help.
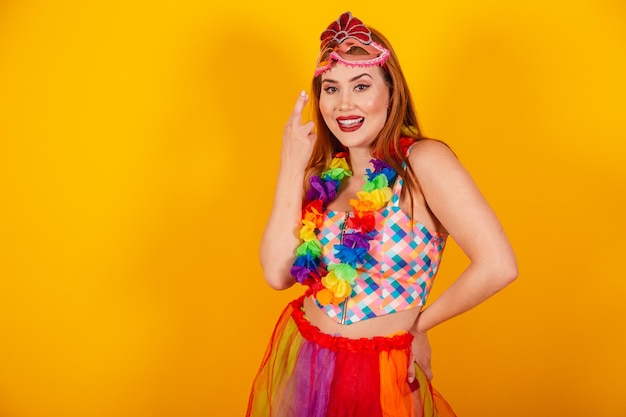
x: 328, y: 80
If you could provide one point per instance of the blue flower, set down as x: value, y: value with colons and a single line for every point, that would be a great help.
x: 350, y: 256
x: 381, y: 167
x: 303, y: 267
x: 307, y: 260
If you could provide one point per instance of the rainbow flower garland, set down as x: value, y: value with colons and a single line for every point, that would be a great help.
x: 338, y: 278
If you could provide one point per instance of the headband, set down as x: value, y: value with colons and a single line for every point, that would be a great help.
x: 349, y: 41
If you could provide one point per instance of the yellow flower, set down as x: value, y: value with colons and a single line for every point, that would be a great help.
x: 339, y: 287
x: 342, y: 289
x: 379, y: 198
x: 338, y: 169
x: 308, y: 230
x: 339, y: 163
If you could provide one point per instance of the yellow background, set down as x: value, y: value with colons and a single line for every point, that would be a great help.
x: 139, y: 144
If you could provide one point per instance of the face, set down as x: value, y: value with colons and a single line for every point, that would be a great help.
x: 354, y: 102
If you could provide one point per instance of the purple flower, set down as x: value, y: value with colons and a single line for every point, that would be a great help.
x: 300, y: 273
x: 381, y: 167
x: 321, y: 190
x: 356, y: 240
x: 304, y: 266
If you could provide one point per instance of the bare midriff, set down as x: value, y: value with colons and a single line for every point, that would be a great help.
x: 377, y: 326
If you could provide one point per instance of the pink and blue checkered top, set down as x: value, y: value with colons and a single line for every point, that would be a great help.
x: 399, y: 268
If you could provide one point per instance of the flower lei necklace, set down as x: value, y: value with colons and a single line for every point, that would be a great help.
x: 339, y: 277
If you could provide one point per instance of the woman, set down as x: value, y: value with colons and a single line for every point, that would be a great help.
x: 366, y: 234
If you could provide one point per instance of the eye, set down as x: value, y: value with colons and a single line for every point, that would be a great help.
x: 361, y: 87
x: 330, y: 89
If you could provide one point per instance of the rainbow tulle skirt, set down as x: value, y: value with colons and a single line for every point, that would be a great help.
x: 307, y: 373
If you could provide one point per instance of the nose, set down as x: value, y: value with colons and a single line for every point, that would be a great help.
x: 345, y: 101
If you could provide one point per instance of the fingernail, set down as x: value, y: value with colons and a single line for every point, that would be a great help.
x: 411, y: 379
x: 303, y: 93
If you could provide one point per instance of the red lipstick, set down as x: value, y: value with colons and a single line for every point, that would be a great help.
x: 350, y: 123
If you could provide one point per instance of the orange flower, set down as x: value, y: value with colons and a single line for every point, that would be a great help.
x: 314, y: 212
x: 337, y: 278
x: 362, y: 206
x: 324, y: 296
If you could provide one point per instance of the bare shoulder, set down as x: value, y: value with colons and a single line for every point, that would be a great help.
x: 428, y: 155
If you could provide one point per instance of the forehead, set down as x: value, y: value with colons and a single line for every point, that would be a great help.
x: 341, y: 72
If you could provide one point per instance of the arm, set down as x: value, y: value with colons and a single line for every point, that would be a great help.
x: 457, y: 203
x: 280, y: 237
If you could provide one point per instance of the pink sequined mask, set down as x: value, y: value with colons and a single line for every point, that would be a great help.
x: 349, y: 41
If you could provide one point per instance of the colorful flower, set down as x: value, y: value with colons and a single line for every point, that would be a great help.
x: 379, y: 181
x: 304, y: 266
x: 314, y: 212
x: 343, y: 272
x: 307, y: 232
x: 321, y: 190
x: 314, y: 247
x: 378, y: 198
x: 338, y: 169
x: 307, y: 260
x: 339, y: 287
x: 350, y: 256
x: 300, y: 273
x: 362, y: 206
x: 326, y: 296
x: 337, y: 282
x: 364, y: 220
x: 381, y: 167
x: 356, y: 240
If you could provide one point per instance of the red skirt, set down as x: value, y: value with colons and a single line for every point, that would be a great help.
x: 307, y: 373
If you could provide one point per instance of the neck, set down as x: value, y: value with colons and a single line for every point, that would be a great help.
x: 360, y: 161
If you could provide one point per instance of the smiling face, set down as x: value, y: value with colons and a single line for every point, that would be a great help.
x: 353, y: 102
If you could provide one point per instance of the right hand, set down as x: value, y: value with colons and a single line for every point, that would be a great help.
x: 420, y: 355
x: 298, y: 138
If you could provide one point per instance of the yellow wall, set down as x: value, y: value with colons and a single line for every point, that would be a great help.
x: 138, y: 150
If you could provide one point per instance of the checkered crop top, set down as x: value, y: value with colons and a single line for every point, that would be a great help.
x: 399, y: 268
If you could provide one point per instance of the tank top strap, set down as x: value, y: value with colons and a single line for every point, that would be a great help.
x: 397, y: 187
